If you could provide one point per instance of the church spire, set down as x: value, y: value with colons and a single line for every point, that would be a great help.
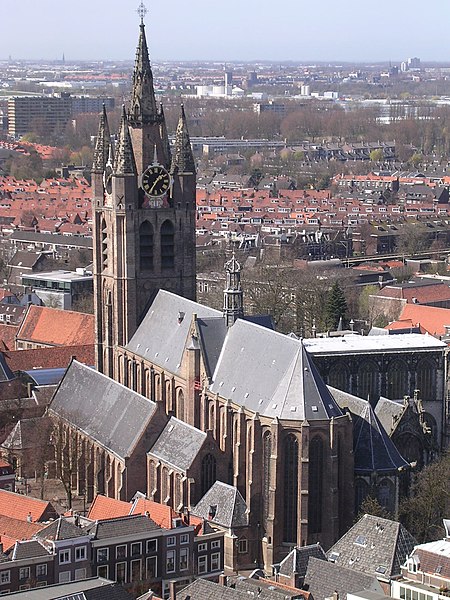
x: 124, y: 163
x: 102, y: 147
x: 233, y: 298
x: 183, y: 159
x: 164, y: 136
x: 143, y: 104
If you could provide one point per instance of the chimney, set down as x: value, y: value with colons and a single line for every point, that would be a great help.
x: 223, y: 580
x: 29, y: 518
x: 172, y: 590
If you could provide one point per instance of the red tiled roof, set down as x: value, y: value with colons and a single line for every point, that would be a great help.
x: 19, y: 507
x: 424, y: 294
x: 57, y: 357
x: 43, y: 325
x: 160, y: 513
x: 431, y: 319
x: 15, y: 530
x: 108, y: 508
x: 8, y: 337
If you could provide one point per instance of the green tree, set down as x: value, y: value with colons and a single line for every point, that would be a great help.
x: 429, y: 501
x: 336, y: 307
x: 376, y: 155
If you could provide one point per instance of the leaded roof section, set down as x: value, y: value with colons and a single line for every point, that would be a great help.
x: 162, y: 335
x: 271, y: 373
x: 124, y: 162
x: 373, y: 449
x: 374, y: 546
x: 143, y: 103
x: 103, y: 144
x: 61, y: 529
x: 183, y: 159
x: 223, y: 505
x: 110, y: 413
x: 122, y: 526
x: 297, y: 560
x: 178, y: 444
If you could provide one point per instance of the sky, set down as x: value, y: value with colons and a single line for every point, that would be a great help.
x: 226, y: 30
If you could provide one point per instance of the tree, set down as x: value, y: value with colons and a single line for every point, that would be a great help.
x: 371, y: 506
x: 429, y: 501
x: 68, y: 451
x: 413, y: 238
x: 336, y: 307
x: 376, y: 155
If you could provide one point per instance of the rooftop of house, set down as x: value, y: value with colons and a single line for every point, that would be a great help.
x: 25, y: 508
x: 372, y: 343
x: 223, y: 505
x: 429, y: 318
x: 44, y: 325
x: 49, y: 358
x: 374, y: 546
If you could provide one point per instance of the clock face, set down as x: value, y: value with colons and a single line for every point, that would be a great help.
x: 155, y: 181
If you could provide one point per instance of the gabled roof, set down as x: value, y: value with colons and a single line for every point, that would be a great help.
x: 20, y: 507
x: 121, y: 526
x: 432, y: 320
x: 161, y: 337
x: 61, y: 529
x: 27, y: 433
x: 16, y: 530
x: 108, y: 508
x: 56, y: 327
x: 433, y: 555
x: 178, y: 444
x: 374, y: 546
x: 324, y: 578
x: 297, y: 559
x: 271, y: 373
x: 223, y: 505
x: 49, y: 358
x: 29, y: 549
x: 373, y: 449
x: 110, y: 413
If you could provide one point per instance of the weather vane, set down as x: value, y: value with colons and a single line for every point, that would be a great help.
x: 142, y: 11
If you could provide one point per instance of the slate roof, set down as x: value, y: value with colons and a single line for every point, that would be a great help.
x: 178, y: 444
x: 374, y: 546
x: 389, y: 413
x: 324, y: 578
x: 54, y: 327
x: 113, y: 415
x: 297, y: 560
x: 230, y: 507
x: 27, y: 433
x: 121, y: 526
x: 373, y: 449
x: 271, y: 373
x: 95, y: 588
x: 161, y: 337
x: 6, y: 373
x: 202, y: 589
x: 61, y: 529
x: 28, y: 549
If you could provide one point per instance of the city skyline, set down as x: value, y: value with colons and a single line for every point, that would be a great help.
x: 290, y: 30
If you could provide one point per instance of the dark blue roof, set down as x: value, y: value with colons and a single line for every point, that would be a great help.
x: 46, y: 376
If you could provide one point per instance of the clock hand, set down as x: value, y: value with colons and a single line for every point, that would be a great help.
x: 156, y: 181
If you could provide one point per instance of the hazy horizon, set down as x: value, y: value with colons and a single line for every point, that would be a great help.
x: 291, y: 30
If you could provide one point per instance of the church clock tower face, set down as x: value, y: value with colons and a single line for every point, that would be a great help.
x: 155, y: 181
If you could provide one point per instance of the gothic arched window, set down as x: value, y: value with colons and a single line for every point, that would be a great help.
x: 315, y: 485
x: 386, y: 494
x: 397, y: 380
x: 290, y: 489
x: 146, y: 246
x: 180, y: 405
x: 368, y: 381
x: 361, y: 492
x: 167, y: 245
x: 425, y: 380
x: 208, y: 475
x: 339, y: 377
x: 267, y: 451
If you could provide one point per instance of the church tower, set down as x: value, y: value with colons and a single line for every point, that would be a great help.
x: 144, y: 214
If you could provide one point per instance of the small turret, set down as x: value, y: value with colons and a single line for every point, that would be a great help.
x: 102, y: 147
x: 183, y: 159
x: 164, y: 137
x: 124, y: 163
x: 233, y: 298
